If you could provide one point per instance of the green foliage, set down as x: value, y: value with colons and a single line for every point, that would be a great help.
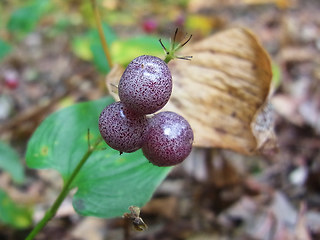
x: 10, y: 162
x: 123, y: 51
x: 5, y: 49
x: 23, y: 20
x: 109, y: 182
x: 88, y: 47
x: 13, y: 214
x: 276, y: 75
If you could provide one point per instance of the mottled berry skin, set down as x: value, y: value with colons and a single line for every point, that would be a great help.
x: 146, y: 84
x: 169, y: 139
x: 121, y: 129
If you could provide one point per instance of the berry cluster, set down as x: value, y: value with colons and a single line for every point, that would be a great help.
x: 145, y: 87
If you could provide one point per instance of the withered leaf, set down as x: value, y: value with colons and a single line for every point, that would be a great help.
x: 136, y: 220
x: 222, y: 90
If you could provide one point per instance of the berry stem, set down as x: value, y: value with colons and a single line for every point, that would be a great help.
x: 101, y: 35
x: 51, y: 212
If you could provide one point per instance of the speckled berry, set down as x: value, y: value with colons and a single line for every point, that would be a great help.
x: 169, y: 139
x: 121, y: 129
x: 146, y: 84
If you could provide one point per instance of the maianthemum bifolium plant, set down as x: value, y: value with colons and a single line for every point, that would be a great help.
x: 82, y: 142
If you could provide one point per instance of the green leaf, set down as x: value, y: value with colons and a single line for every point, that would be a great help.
x: 10, y: 162
x: 123, y: 51
x: 276, y: 75
x: 109, y: 182
x: 81, y: 47
x: 5, y: 49
x: 99, y: 58
x: 14, y: 214
x: 23, y: 20
x: 88, y: 47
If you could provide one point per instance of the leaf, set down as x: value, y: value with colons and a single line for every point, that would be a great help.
x: 262, y: 127
x: 99, y: 58
x: 10, y: 162
x: 202, y: 24
x: 81, y: 47
x: 282, y: 4
x: 13, y: 214
x: 222, y: 90
x: 5, y: 49
x: 301, y: 228
x: 197, y: 5
x: 123, y: 51
x: 88, y: 47
x: 276, y: 76
x: 109, y: 182
x: 22, y: 22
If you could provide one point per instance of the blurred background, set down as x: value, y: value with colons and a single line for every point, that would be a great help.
x: 51, y: 57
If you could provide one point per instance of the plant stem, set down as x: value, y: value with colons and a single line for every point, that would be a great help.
x: 101, y: 35
x: 63, y: 194
x: 168, y: 58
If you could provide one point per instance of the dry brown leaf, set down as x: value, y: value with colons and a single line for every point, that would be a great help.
x: 221, y: 90
x: 278, y: 3
x: 112, y: 80
x: 262, y: 128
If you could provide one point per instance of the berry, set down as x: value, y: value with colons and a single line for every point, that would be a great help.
x: 149, y: 25
x: 169, y: 139
x: 11, y: 79
x: 180, y: 20
x: 121, y: 129
x: 146, y: 85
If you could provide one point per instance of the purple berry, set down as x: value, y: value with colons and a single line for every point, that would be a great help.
x: 169, y: 139
x: 146, y: 85
x: 11, y: 79
x: 149, y: 25
x: 121, y: 129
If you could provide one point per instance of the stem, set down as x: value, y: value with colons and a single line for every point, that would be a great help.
x: 168, y: 58
x: 66, y: 188
x: 101, y: 35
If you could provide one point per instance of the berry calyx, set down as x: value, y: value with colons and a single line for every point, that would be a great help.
x: 171, y: 53
x: 169, y: 139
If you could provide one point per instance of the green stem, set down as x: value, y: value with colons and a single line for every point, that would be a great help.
x: 101, y: 35
x: 63, y: 194
x: 168, y: 58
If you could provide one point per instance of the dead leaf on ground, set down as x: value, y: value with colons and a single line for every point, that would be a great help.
x: 288, y: 108
x: 90, y: 228
x: 166, y: 207
x: 262, y: 128
x: 221, y: 91
x: 301, y: 230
